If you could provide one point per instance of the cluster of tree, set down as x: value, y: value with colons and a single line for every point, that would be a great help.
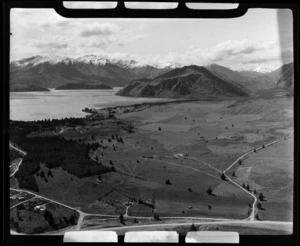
x: 89, y: 110
x: 59, y: 223
x: 93, y: 146
x: 50, y: 124
x: 50, y: 174
x: 246, y: 187
x: 56, y: 152
x: 129, y: 128
x: 145, y: 203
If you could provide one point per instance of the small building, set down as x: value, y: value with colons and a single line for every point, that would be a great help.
x: 39, y: 208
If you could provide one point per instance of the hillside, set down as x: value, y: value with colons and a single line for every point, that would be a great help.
x: 286, y: 76
x: 53, y: 72
x: 251, y: 80
x: 73, y: 86
x: 283, y: 77
x: 254, y: 81
x: 186, y: 82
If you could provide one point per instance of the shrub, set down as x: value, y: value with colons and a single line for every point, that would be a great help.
x: 156, y: 217
x: 209, y: 191
x: 121, y: 217
x: 193, y: 228
x: 223, y: 177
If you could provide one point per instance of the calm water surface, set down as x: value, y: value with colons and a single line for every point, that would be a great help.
x: 56, y: 104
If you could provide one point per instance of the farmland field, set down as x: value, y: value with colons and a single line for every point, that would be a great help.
x: 167, y: 160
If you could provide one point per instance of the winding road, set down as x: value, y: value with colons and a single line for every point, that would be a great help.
x: 252, y: 216
x: 248, y: 221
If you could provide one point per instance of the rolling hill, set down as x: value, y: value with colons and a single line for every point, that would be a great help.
x: 186, y: 82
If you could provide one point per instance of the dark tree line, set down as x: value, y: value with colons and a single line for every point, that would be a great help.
x: 55, y: 152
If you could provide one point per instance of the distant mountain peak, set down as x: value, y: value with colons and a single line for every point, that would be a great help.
x: 211, y: 65
x: 167, y: 65
x: 255, y: 69
x: 35, y: 60
x: 98, y: 60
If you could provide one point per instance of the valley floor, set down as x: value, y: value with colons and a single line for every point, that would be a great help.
x: 185, y: 162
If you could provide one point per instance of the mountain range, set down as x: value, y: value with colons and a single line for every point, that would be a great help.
x: 143, y: 80
x: 53, y: 72
x: 210, y: 81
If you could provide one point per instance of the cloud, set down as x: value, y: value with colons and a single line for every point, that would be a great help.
x: 63, y: 24
x: 56, y: 43
x: 104, y: 29
x: 232, y: 49
x: 52, y: 46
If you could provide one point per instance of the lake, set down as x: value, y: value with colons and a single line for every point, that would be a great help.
x: 57, y: 104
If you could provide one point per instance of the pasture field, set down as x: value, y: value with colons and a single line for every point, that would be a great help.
x: 189, y: 144
x: 165, y: 157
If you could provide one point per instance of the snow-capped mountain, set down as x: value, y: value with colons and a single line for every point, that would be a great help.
x: 88, y: 59
x: 35, y: 60
x: 49, y: 72
x: 167, y: 65
x: 256, y: 69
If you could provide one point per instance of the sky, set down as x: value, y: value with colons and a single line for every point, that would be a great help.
x: 261, y: 40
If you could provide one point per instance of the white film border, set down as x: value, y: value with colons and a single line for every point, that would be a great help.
x: 152, y: 237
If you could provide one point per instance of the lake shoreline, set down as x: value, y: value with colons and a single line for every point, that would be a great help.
x: 57, y: 104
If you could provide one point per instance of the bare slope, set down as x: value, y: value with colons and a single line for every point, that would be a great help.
x: 186, y: 82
